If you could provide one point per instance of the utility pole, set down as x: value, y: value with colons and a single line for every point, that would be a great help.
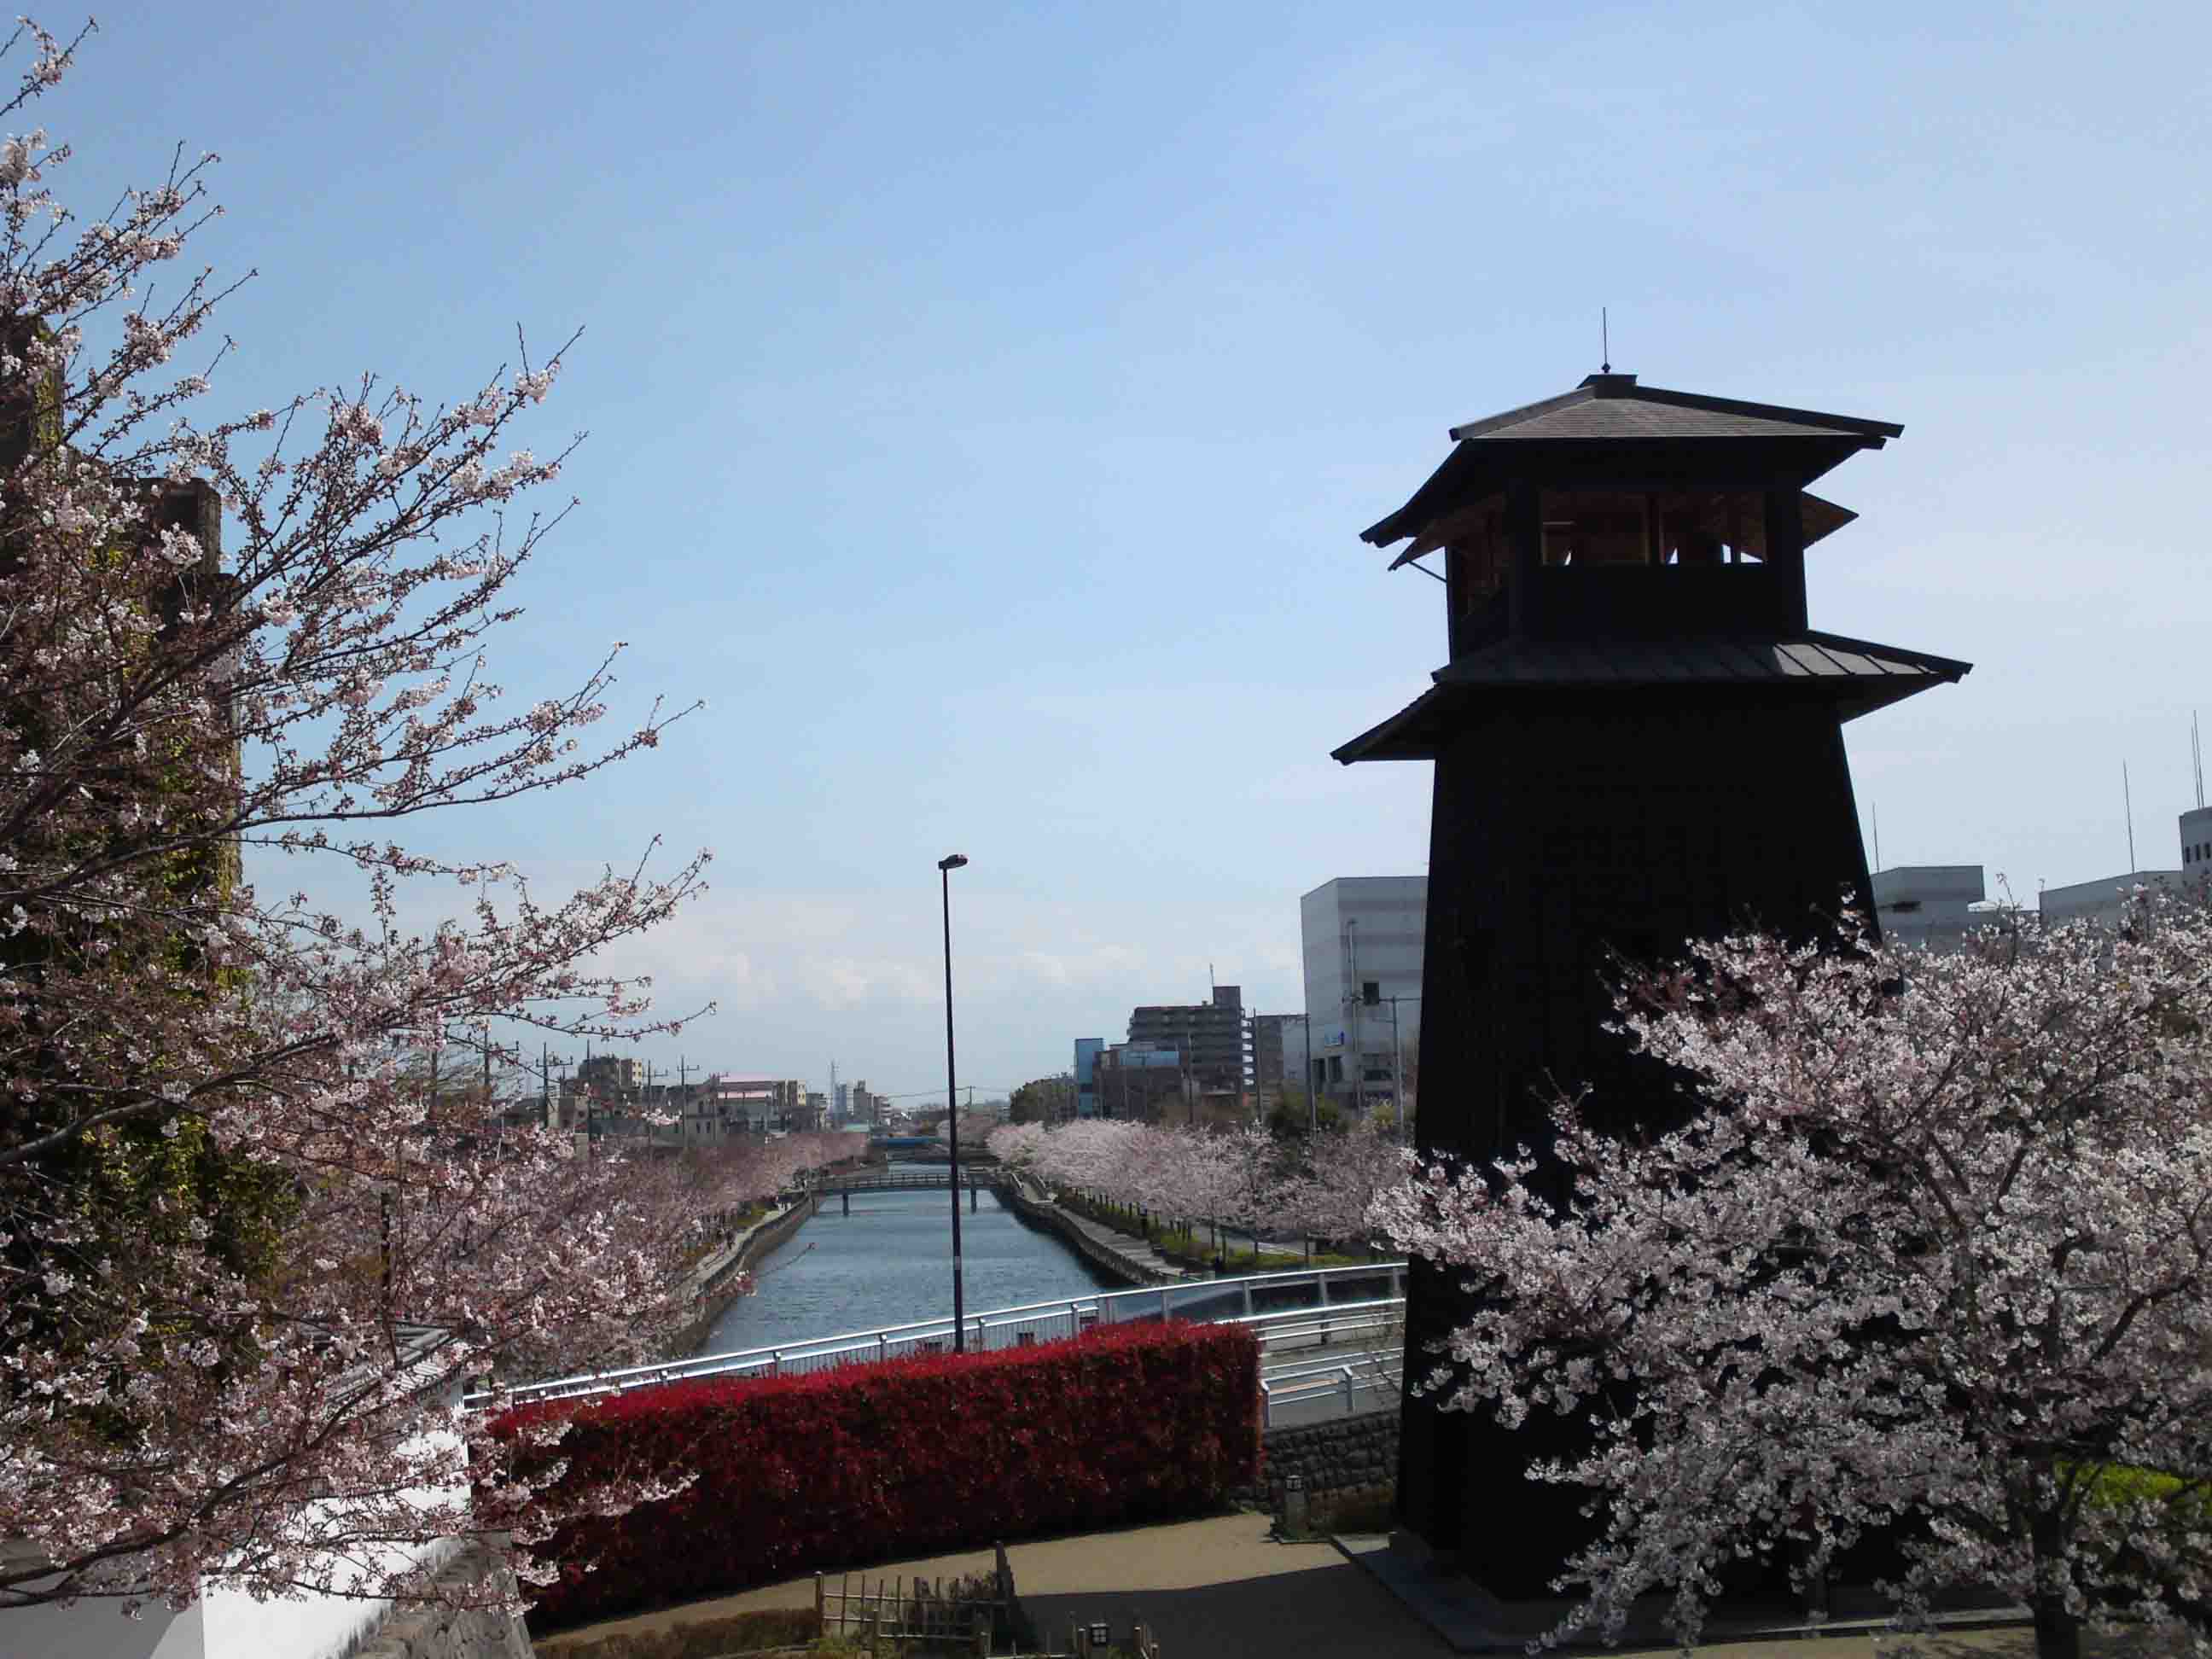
x: 1354, y: 998
x: 1398, y: 1067
x: 1306, y: 1078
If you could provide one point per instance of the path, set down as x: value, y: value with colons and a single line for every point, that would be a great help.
x: 1137, y: 1250
x: 1221, y: 1588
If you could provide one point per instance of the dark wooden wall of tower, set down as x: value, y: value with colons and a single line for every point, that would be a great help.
x: 1570, y: 829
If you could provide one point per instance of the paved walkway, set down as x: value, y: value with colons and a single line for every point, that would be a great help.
x: 704, y: 1272
x: 1221, y: 1588
x: 1138, y: 1251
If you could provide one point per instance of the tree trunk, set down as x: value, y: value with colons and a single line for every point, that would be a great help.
x: 2057, y: 1633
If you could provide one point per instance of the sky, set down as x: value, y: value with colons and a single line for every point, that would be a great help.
x: 984, y: 403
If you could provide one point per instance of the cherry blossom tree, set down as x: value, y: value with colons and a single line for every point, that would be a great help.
x: 248, y: 1257
x: 1345, y: 1171
x: 1018, y: 1146
x: 1933, y: 1246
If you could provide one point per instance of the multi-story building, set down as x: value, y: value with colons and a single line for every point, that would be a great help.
x: 1279, y: 1047
x: 1145, y: 1083
x: 1087, y: 1050
x: 867, y: 1108
x: 611, y: 1078
x: 1361, y: 937
x: 2197, y: 843
x: 1210, y: 1037
x: 724, y: 1107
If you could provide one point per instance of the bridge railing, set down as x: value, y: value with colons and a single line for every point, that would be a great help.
x: 1293, y: 1300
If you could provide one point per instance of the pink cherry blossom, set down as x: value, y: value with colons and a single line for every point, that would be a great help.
x: 1933, y: 1240
x: 185, y: 1053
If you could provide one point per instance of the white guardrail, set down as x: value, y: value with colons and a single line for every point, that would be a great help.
x: 1346, y: 1377
x: 1315, y: 1307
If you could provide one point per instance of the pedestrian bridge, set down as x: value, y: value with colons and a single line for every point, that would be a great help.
x: 1349, y: 1314
x: 910, y: 1178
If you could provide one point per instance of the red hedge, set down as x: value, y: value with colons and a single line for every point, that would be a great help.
x: 870, y: 1463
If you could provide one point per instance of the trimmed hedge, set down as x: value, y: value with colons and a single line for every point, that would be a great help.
x: 872, y: 1462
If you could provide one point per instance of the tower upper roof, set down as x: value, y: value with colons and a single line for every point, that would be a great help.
x: 1610, y: 410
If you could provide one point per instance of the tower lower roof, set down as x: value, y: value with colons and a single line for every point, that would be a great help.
x: 1857, y: 676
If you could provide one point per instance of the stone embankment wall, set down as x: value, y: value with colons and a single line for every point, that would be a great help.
x: 1102, y: 1255
x: 1344, y: 1460
x: 721, y: 1274
x: 449, y: 1632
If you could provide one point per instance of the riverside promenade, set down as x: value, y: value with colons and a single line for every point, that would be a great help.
x: 1133, y: 1261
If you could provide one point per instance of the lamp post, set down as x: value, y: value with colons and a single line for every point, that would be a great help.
x: 945, y: 867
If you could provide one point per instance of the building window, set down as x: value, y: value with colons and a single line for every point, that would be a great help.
x: 1371, y: 991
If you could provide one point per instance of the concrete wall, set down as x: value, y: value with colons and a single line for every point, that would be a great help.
x: 721, y: 1275
x: 1103, y: 1257
x: 228, y: 1624
x: 447, y: 1632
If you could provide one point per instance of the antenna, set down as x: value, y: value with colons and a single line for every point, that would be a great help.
x: 2196, y: 756
x: 1604, y: 343
x: 2128, y: 799
x: 1877, y: 837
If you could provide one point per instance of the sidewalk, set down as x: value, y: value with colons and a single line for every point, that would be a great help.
x: 702, y: 1273
x: 1138, y: 1252
x: 1221, y: 1588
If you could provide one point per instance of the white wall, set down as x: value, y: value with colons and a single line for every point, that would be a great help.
x: 1385, y: 946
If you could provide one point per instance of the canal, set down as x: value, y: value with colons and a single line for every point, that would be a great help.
x: 890, y: 1262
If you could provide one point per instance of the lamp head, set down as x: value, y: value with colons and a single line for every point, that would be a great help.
x: 952, y: 861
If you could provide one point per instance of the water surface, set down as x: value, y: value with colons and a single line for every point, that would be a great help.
x: 890, y: 1262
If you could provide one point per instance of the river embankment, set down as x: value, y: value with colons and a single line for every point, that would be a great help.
x: 721, y: 1277
x: 887, y: 1262
x: 1130, y: 1260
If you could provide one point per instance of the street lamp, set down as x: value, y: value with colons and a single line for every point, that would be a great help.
x: 945, y: 867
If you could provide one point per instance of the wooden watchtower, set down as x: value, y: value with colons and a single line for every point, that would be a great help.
x: 1638, y: 740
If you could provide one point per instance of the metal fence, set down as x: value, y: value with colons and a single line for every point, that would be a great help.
x: 1303, y: 1307
x: 1342, y: 1379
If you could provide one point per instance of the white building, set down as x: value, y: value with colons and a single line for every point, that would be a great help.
x: 2102, y: 901
x: 1361, y: 938
x: 1929, y: 904
x: 2197, y: 843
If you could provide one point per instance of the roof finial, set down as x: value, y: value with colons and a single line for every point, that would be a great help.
x: 1604, y: 343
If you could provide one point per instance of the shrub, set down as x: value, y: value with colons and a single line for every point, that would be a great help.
x: 869, y: 1463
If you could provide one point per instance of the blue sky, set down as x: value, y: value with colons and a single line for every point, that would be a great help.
x: 984, y: 403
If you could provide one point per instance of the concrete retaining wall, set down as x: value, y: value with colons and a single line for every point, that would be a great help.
x: 722, y: 1279
x: 1100, y: 1255
x: 448, y: 1632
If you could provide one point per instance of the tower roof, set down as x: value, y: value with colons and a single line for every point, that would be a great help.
x: 1857, y: 676
x: 1615, y: 406
x: 1613, y: 410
